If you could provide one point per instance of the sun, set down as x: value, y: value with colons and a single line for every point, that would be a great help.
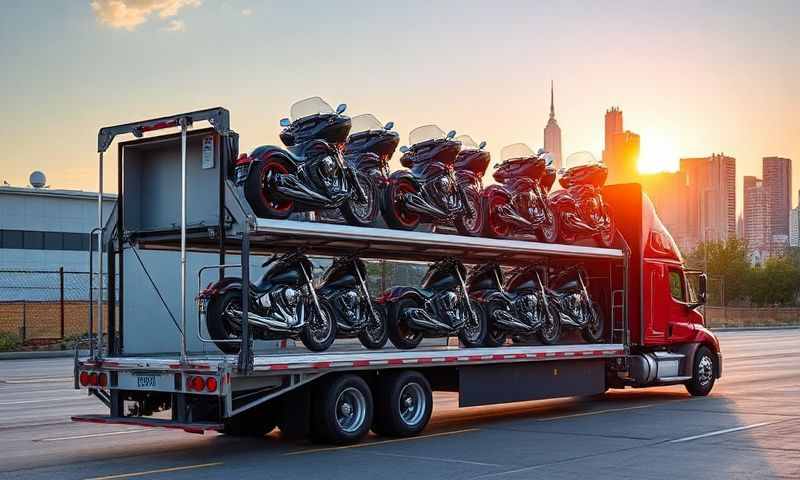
x: 658, y: 153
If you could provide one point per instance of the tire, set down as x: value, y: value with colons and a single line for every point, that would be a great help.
x: 593, y: 332
x: 255, y: 422
x: 495, y: 336
x: 319, y: 334
x: 376, y: 337
x: 393, y: 213
x: 342, y: 410
x: 403, y: 404
x: 548, y: 232
x: 400, y: 334
x: 362, y: 214
x: 256, y: 194
x: 476, y: 335
x: 550, y: 332
x: 493, y: 226
x: 704, y: 368
x: 471, y: 227
x: 219, y: 327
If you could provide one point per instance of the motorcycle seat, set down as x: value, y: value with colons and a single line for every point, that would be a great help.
x: 571, y: 285
x: 261, y: 285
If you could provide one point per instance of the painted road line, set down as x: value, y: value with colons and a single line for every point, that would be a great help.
x: 437, y: 459
x: 160, y: 470
x: 601, y: 412
x: 92, y: 435
x: 380, y: 442
x: 722, y: 432
x: 35, y: 380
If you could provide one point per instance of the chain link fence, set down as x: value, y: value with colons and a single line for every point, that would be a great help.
x: 42, y: 305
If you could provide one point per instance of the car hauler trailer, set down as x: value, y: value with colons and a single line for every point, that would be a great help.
x: 179, y: 216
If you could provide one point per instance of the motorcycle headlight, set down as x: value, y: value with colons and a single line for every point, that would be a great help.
x: 327, y: 165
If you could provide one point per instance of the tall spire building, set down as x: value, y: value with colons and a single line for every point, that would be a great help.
x: 552, y: 133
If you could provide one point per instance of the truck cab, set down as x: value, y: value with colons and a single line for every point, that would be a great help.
x: 668, y: 335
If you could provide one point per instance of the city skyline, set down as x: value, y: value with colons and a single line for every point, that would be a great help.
x: 552, y: 134
x: 736, y: 94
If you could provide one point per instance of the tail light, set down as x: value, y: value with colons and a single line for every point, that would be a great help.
x: 84, y: 379
x: 202, y: 384
x: 211, y: 384
x: 102, y: 380
x: 93, y: 379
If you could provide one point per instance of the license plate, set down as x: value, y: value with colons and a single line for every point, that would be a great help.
x: 146, y: 381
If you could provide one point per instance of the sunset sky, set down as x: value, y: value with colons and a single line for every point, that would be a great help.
x: 692, y: 78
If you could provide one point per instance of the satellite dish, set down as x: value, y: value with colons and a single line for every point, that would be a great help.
x: 37, y: 179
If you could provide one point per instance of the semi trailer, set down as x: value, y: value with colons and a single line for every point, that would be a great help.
x: 180, y: 221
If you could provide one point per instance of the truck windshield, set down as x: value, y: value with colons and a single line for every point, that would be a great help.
x: 515, y: 150
x: 425, y: 133
x: 365, y: 122
x: 308, y: 107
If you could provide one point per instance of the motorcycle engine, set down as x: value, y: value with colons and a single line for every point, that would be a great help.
x: 349, y: 302
x: 526, y: 307
x: 449, y: 308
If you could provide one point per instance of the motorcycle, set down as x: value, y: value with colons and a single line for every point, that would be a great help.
x: 429, y: 190
x: 570, y: 297
x: 470, y: 166
x: 519, y: 309
x: 310, y: 174
x: 580, y: 208
x: 518, y: 204
x: 344, y: 295
x: 282, y: 304
x: 441, y: 307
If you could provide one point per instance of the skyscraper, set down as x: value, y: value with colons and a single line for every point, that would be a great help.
x: 794, y: 224
x: 711, y: 198
x: 621, y: 153
x: 668, y: 192
x: 777, y: 174
x: 755, y: 216
x: 552, y: 133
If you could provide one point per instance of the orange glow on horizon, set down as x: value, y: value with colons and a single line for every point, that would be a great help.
x: 659, y: 153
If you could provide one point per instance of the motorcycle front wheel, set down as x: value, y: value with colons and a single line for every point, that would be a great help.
x: 256, y: 190
x: 320, y: 331
x: 400, y: 334
x: 473, y: 332
x: 550, y: 331
x: 220, y: 322
x: 374, y: 336
x: 394, y: 212
x: 363, y: 212
x: 495, y: 335
x: 493, y: 225
x: 548, y: 231
x: 471, y: 226
x: 593, y: 331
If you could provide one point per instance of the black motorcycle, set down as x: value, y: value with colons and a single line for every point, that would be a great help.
x: 345, y: 297
x: 519, y: 309
x: 569, y: 295
x: 311, y: 174
x: 441, y: 307
x: 283, y: 304
x: 429, y: 190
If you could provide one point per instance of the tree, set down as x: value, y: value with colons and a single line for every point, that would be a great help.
x: 777, y: 282
x: 724, y: 262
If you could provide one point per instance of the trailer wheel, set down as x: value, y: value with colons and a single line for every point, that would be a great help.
x: 703, y: 373
x: 341, y: 410
x: 404, y: 403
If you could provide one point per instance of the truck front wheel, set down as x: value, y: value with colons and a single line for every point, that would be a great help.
x: 404, y: 403
x: 703, y: 373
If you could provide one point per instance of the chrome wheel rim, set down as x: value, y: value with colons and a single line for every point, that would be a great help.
x: 351, y: 409
x: 413, y: 403
x: 321, y: 326
x: 363, y: 209
x: 705, y: 370
x: 472, y: 327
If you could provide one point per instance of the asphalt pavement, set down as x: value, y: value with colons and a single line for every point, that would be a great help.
x: 749, y: 427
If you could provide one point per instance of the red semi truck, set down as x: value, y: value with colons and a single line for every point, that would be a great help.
x: 654, y: 334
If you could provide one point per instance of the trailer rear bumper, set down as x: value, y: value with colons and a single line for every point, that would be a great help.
x: 150, y: 422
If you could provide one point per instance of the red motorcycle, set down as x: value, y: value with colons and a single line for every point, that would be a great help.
x: 579, y: 206
x: 518, y: 204
x: 429, y: 191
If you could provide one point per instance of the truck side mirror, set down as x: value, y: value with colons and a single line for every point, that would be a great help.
x: 701, y: 286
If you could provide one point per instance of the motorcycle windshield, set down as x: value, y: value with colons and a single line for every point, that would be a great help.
x: 466, y: 142
x: 515, y: 150
x: 579, y: 159
x: 308, y: 107
x: 364, y: 123
x: 425, y: 133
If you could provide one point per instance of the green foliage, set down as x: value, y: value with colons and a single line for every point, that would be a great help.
x: 9, y: 342
x: 732, y: 279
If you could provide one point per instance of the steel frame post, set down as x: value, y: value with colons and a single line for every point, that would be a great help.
x: 100, y: 260
x: 184, y: 126
x: 245, y: 352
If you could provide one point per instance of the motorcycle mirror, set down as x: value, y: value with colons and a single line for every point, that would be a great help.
x: 561, y: 171
x: 341, y: 108
x: 403, y: 149
x: 482, y: 145
x: 541, y: 151
x: 451, y: 134
x: 388, y: 126
x: 285, y: 122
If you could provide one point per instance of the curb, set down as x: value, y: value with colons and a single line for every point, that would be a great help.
x: 42, y: 354
x: 755, y: 329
